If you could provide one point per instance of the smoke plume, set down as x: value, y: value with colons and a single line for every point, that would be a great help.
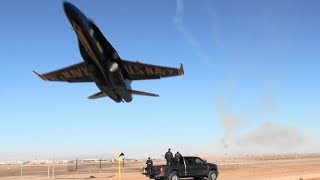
x: 273, y: 137
x: 230, y: 123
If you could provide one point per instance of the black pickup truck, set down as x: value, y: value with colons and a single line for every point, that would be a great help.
x: 189, y: 166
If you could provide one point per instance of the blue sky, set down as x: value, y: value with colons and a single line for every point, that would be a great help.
x: 251, y: 80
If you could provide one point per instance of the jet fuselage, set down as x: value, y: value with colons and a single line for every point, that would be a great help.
x: 102, y: 60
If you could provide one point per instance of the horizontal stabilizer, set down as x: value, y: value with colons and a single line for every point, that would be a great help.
x: 143, y: 93
x: 97, y: 95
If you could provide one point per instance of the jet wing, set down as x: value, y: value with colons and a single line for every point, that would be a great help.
x: 74, y: 73
x: 139, y: 71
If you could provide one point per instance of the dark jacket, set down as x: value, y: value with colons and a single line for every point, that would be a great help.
x: 168, y: 156
x: 149, y: 162
x: 177, y: 157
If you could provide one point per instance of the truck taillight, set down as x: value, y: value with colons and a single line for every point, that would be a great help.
x: 162, y: 169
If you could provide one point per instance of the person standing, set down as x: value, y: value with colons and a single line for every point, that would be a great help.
x: 177, y: 157
x: 149, y: 164
x: 169, y: 157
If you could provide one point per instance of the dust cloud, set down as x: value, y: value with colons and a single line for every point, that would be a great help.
x: 265, y: 137
x: 273, y: 137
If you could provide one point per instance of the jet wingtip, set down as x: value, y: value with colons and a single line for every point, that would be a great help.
x: 181, y: 70
x: 38, y: 74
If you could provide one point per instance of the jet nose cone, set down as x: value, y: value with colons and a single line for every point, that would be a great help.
x: 67, y: 7
x: 72, y: 12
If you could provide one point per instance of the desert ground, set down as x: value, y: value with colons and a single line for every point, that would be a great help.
x: 272, y: 167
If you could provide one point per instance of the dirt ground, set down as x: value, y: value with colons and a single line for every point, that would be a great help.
x: 283, y: 169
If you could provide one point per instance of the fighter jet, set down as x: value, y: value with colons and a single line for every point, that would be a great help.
x: 103, y: 65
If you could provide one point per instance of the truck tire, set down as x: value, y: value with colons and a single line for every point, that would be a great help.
x: 212, y: 175
x: 173, y: 176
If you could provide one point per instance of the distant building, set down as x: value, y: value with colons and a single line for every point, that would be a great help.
x: 39, y: 162
x: 11, y: 162
x: 89, y: 160
x: 47, y: 162
x: 61, y: 161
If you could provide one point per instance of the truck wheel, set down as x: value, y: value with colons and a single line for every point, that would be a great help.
x: 212, y: 175
x: 173, y: 176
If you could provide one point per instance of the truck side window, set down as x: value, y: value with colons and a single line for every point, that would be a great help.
x: 189, y: 160
x: 199, y: 161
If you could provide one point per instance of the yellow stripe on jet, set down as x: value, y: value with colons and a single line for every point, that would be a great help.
x: 86, y: 44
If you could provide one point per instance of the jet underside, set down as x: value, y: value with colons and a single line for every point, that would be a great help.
x: 102, y: 64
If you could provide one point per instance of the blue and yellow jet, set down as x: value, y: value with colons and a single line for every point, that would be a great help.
x: 103, y: 65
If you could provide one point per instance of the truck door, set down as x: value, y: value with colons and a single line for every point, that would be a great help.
x: 201, y: 167
x: 190, y: 166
